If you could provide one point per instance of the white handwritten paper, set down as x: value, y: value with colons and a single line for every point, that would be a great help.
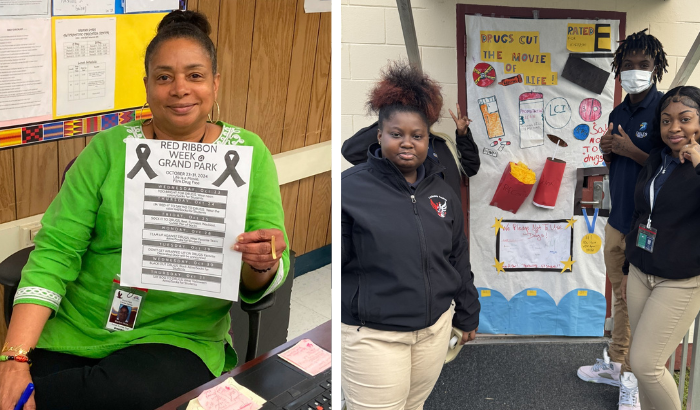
x: 80, y: 7
x: 534, y: 245
x: 25, y: 68
x: 85, y: 65
x: 307, y: 356
x: 187, y: 203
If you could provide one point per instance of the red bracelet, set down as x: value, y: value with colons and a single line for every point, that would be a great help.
x: 17, y: 358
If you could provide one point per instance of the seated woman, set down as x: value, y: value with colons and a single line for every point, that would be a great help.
x: 662, y: 287
x: 404, y: 255
x: 180, y: 341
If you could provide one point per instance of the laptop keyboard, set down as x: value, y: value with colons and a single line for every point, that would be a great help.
x: 310, y: 394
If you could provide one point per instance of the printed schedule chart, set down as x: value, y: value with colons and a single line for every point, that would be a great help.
x: 183, y: 236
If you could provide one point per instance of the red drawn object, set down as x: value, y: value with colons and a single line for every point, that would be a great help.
x: 510, y: 192
x: 590, y: 109
x: 484, y: 74
x: 550, y: 182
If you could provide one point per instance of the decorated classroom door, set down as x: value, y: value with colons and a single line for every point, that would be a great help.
x: 539, y: 93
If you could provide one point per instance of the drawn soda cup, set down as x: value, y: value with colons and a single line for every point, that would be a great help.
x: 550, y: 180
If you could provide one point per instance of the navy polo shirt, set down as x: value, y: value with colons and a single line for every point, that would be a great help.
x: 637, y: 123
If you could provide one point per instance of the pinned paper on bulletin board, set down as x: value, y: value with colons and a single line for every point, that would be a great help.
x: 534, y: 245
x: 133, y: 33
x: 587, y: 38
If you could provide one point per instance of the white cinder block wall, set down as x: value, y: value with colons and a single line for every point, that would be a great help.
x: 371, y: 35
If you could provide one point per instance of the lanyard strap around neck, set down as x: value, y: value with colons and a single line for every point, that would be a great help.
x: 591, y: 226
x: 651, y: 190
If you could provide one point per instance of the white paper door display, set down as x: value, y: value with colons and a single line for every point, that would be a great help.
x: 529, y: 80
x: 184, y: 205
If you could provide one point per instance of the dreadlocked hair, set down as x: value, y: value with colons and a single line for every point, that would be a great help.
x: 647, y: 44
x: 401, y: 88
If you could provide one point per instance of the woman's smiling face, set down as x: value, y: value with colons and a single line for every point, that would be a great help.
x: 181, y: 87
x: 679, y: 124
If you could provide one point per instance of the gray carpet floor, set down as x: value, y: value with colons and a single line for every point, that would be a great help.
x: 522, y: 376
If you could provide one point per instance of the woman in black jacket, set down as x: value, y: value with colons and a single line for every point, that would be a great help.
x: 354, y: 150
x: 662, y: 286
x: 404, y: 255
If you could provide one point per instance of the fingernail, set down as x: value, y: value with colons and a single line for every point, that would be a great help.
x: 236, y: 247
x: 240, y: 238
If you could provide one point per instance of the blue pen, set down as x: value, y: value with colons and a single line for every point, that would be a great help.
x: 24, y: 398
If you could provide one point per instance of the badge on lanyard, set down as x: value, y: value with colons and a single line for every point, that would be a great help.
x: 125, y: 307
x: 646, y: 238
x: 591, y: 243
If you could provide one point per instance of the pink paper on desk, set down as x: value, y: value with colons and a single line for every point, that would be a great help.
x: 308, y: 357
x: 225, y: 397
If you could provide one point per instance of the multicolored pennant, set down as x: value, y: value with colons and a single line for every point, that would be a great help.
x: 33, y: 133
x: 126, y: 116
x: 144, y: 114
x: 10, y: 137
x: 53, y: 130
x: 91, y: 125
x: 109, y: 121
x: 72, y: 128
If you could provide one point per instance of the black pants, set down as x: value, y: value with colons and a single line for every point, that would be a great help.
x: 138, y: 377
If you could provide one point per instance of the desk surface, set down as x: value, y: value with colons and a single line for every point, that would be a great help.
x: 321, y: 335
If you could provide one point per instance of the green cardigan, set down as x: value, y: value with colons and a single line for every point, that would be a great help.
x: 78, y: 255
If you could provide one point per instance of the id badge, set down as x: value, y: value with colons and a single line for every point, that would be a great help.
x: 126, y: 303
x: 646, y: 238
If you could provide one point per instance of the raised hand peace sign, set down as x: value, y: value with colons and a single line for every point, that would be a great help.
x: 462, y: 122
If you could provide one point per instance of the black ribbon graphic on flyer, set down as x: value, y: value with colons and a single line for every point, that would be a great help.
x: 142, y: 152
x: 231, y: 159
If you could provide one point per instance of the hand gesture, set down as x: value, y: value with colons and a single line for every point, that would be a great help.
x: 468, y: 336
x: 256, y: 247
x: 462, y: 122
x: 14, y: 378
x: 622, y: 144
x: 606, y: 141
x: 690, y: 152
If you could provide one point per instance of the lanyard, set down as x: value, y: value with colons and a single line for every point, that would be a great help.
x: 591, y: 226
x: 651, y: 190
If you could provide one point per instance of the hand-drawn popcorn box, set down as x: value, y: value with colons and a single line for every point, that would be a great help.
x: 492, y: 118
x: 515, y: 185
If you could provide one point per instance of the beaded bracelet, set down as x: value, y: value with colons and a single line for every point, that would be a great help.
x: 260, y: 270
x: 17, y: 358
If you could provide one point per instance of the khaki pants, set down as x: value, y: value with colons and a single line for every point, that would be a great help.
x: 392, y: 370
x: 614, y: 254
x: 660, y: 311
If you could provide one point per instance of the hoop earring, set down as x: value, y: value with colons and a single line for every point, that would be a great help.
x: 148, y: 121
x: 218, y: 113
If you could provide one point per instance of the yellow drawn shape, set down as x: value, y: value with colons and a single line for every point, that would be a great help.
x: 519, y: 51
x: 485, y: 293
x: 591, y: 243
x: 583, y: 293
x: 581, y: 38
x: 532, y: 293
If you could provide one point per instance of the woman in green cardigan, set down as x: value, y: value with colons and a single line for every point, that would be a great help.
x: 181, y: 341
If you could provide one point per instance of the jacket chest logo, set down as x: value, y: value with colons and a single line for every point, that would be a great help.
x: 642, y: 128
x: 439, y: 204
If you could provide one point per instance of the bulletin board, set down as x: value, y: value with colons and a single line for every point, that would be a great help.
x: 73, y: 69
x: 539, y: 92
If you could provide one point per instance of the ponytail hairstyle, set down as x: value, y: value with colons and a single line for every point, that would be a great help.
x: 183, y: 24
x: 401, y: 88
x: 647, y: 45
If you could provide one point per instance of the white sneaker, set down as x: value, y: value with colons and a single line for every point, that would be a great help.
x: 629, y: 393
x: 603, y: 371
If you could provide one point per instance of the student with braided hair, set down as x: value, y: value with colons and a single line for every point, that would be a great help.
x: 639, y: 63
x: 404, y: 255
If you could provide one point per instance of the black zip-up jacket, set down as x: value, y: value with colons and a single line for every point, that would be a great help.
x: 355, y: 152
x: 402, y: 262
x: 676, y: 218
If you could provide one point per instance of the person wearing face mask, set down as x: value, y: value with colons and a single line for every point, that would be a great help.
x: 662, y: 282
x: 639, y: 63
x: 405, y: 257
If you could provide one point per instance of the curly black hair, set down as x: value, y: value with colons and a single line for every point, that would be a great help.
x: 647, y: 44
x: 405, y: 89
